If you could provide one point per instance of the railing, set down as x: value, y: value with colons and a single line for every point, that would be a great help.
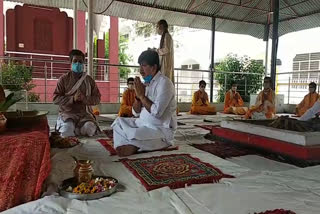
x: 294, y: 85
x: 111, y: 79
x: 53, y: 66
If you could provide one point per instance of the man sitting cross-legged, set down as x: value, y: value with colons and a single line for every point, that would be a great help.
x: 233, y: 103
x: 265, y: 103
x: 200, y: 101
x: 308, y: 101
x: 156, y: 106
x: 128, y: 98
x: 75, y: 93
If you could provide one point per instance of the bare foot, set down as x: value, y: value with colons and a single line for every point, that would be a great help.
x: 126, y: 150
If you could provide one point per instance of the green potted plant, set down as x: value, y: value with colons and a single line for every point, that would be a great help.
x: 9, y: 101
x: 5, y: 103
x: 16, y: 78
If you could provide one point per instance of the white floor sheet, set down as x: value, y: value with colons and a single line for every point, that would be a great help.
x: 260, y: 184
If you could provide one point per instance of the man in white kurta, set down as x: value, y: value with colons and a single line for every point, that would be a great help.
x: 311, y: 112
x: 156, y: 107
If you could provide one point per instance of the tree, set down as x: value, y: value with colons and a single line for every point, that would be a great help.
x: 124, y: 58
x: 247, y: 83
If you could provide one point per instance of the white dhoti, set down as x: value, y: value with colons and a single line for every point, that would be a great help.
x: 258, y: 116
x: 126, y: 131
x: 68, y: 129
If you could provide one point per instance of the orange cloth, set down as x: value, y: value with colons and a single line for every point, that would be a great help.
x: 127, y: 101
x: 265, y: 103
x: 177, y: 111
x: 200, y: 104
x: 233, y: 103
x: 96, y: 110
x: 307, y: 102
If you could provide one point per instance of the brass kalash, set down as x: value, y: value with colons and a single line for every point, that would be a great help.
x: 83, y: 171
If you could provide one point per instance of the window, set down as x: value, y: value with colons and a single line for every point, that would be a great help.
x: 184, y: 66
x: 196, y: 66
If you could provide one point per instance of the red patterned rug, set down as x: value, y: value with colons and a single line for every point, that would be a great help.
x: 277, y: 211
x: 109, y: 133
x: 174, y: 171
x: 108, y: 145
x: 223, y: 150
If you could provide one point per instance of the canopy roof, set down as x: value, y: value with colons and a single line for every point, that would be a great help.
x: 232, y: 16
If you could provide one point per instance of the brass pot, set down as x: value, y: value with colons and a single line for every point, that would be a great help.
x: 3, y: 123
x: 83, y: 172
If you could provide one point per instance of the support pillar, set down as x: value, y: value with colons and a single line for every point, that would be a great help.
x: 75, y: 24
x: 1, y: 29
x: 81, y: 31
x: 114, y: 59
x: 266, y: 39
x: 90, y: 37
x: 275, y: 40
x: 101, y: 51
x: 213, y: 30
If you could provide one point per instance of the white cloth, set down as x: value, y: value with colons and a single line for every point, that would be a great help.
x: 67, y: 128
x: 258, y: 116
x: 311, y: 112
x: 151, y: 130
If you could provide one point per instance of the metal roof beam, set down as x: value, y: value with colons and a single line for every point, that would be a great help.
x: 221, y: 7
x: 251, y: 10
x: 148, y: 5
x: 190, y: 5
x: 244, y: 3
x: 196, y: 6
x: 238, y: 5
x: 155, y: 2
x: 290, y: 7
x: 304, y: 15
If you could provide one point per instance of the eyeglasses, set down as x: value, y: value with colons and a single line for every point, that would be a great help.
x: 202, y: 86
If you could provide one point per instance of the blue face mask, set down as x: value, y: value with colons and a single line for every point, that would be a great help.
x: 77, y: 67
x: 147, y: 79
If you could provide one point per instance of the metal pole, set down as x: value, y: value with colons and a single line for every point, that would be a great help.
x: 275, y: 39
x: 27, y: 101
x: 177, y: 86
x: 45, y: 82
x: 90, y: 37
x: 75, y: 24
x: 245, y: 86
x: 318, y: 82
x: 105, y: 77
x: 51, y: 70
x: 289, y: 85
x: 266, y: 59
x: 225, y: 83
x: 213, y: 30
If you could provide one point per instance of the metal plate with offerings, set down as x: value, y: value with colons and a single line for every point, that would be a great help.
x: 98, y: 187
